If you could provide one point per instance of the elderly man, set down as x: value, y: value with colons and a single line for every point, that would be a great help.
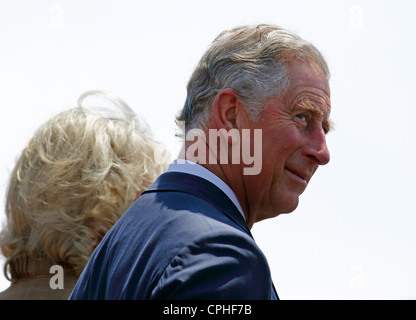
x: 257, y: 88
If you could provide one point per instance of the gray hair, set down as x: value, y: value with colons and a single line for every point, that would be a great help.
x: 249, y: 59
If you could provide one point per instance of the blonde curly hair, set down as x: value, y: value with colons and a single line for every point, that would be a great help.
x: 77, y: 175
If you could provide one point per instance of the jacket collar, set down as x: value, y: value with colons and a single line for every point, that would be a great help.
x: 201, y: 188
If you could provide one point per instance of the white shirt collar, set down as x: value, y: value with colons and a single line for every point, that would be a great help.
x: 190, y: 167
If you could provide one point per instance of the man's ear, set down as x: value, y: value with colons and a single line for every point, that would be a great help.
x: 226, y: 108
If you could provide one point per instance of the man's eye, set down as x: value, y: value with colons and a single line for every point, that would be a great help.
x: 302, y: 117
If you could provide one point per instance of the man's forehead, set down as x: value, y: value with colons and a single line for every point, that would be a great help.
x: 307, y: 76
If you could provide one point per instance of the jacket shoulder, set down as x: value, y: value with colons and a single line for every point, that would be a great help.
x: 222, y: 264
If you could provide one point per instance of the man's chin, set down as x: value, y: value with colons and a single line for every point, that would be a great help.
x: 289, y: 206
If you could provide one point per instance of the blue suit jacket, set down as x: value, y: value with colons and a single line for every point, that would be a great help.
x: 182, y: 239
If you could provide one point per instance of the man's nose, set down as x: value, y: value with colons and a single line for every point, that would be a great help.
x: 317, y: 149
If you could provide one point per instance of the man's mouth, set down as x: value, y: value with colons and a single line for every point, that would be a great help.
x: 303, y: 177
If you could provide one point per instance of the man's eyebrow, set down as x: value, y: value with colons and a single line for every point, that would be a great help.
x: 328, y: 125
x: 310, y: 106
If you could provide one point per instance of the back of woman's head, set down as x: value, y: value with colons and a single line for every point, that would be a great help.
x: 77, y: 175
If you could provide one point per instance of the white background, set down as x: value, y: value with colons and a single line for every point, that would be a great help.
x: 353, y: 234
